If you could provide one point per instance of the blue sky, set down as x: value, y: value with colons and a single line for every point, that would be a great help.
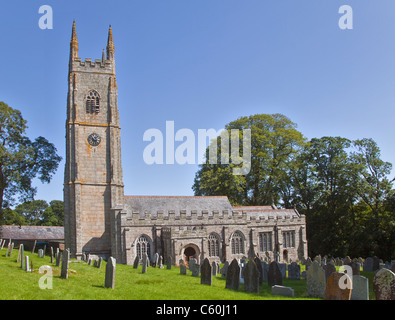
x: 203, y: 64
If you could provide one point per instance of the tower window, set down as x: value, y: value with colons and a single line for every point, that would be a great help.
x: 93, y: 103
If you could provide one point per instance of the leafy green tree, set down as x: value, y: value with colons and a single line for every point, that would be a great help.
x: 53, y: 214
x: 32, y: 211
x: 274, y: 143
x: 21, y: 160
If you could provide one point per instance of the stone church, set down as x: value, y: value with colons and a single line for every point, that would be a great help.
x: 101, y: 220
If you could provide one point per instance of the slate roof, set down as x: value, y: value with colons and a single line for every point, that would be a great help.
x: 31, y: 233
x: 153, y: 204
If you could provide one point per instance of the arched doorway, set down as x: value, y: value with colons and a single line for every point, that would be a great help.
x: 190, y: 251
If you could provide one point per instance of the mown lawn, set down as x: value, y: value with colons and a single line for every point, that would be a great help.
x: 85, y: 282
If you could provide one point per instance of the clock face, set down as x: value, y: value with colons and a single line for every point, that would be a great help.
x: 94, y: 139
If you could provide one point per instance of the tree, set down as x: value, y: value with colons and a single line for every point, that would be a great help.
x: 32, y: 211
x: 275, y: 142
x: 21, y: 160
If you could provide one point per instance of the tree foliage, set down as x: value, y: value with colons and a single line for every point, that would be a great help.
x: 342, y: 186
x: 21, y: 160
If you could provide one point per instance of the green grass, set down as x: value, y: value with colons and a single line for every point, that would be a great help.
x: 86, y: 282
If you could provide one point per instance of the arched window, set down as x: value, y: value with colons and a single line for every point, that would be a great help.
x: 92, y: 102
x: 237, y: 243
x: 213, y: 245
x: 143, y: 246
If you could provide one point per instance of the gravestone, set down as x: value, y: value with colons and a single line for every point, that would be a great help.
x: 308, y: 263
x: 20, y: 250
x: 40, y: 253
x: 156, y: 260
x: 168, y: 262
x: 183, y: 269
x: 99, y: 263
x: 160, y: 262
x: 195, y: 269
x: 191, y: 263
x: 58, y: 258
x: 109, y: 281
x: 329, y: 269
x: 206, y: 273
x: 22, y: 255
x: 260, y: 270
x: 334, y: 291
x: 224, y: 269
x: 233, y: 276
x: 315, y: 281
x: 265, y: 270
x: 360, y: 288
x: 214, y: 268
x: 51, y: 254
x: 376, y: 263
x: 382, y: 284
x: 356, y: 268
x: 283, y: 269
x: 251, y: 277
x: 283, y: 291
x: 368, y: 264
x: 65, y: 264
x: 136, y: 262
x: 27, y: 268
x: 294, y: 271
x: 274, y: 276
x: 144, y: 269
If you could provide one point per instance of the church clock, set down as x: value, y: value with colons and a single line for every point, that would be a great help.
x: 94, y: 139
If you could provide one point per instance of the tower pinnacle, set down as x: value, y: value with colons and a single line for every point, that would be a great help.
x: 110, y: 46
x: 73, y: 43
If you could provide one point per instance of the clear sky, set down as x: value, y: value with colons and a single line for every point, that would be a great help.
x: 202, y: 64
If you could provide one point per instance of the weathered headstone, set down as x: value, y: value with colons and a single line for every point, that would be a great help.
x: 224, y: 269
x: 274, y: 276
x: 251, y: 277
x: 22, y: 255
x: 27, y: 265
x: 99, y: 262
x: 168, y: 262
x: 329, y: 269
x: 294, y: 271
x: 283, y: 291
x: 376, y: 263
x: 191, y: 263
x: 356, y: 268
x: 160, y: 262
x: 233, y: 276
x: 195, y: 269
x: 136, y: 262
x: 65, y: 264
x: 51, y: 254
x: 183, y: 269
x: 360, y: 288
x: 58, y: 258
x: 156, y: 260
x: 315, y: 281
x: 265, y: 270
x: 368, y: 264
x: 382, y: 284
x: 18, y: 259
x: 40, y: 253
x: 260, y: 270
x: 334, y: 290
x: 206, y: 273
x: 144, y: 269
x: 34, y: 246
x: 109, y: 281
x: 214, y: 268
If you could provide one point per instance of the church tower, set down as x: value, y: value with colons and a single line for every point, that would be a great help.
x: 93, y: 183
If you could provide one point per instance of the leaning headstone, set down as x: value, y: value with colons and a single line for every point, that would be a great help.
x: 315, y: 281
x: 8, y: 249
x: 34, y: 246
x: 65, y: 264
x: 360, y: 288
x: 251, y: 277
x: 274, y: 276
x: 233, y: 276
x: 294, y: 271
x: 334, y: 290
x: 18, y: 259
x: 144, y: 269
x: 58, y: 258
x: 206, y: 273
x: 382, y: 284
x: 283, y: 291
x: 109, y: 281
x: 136, y: 262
